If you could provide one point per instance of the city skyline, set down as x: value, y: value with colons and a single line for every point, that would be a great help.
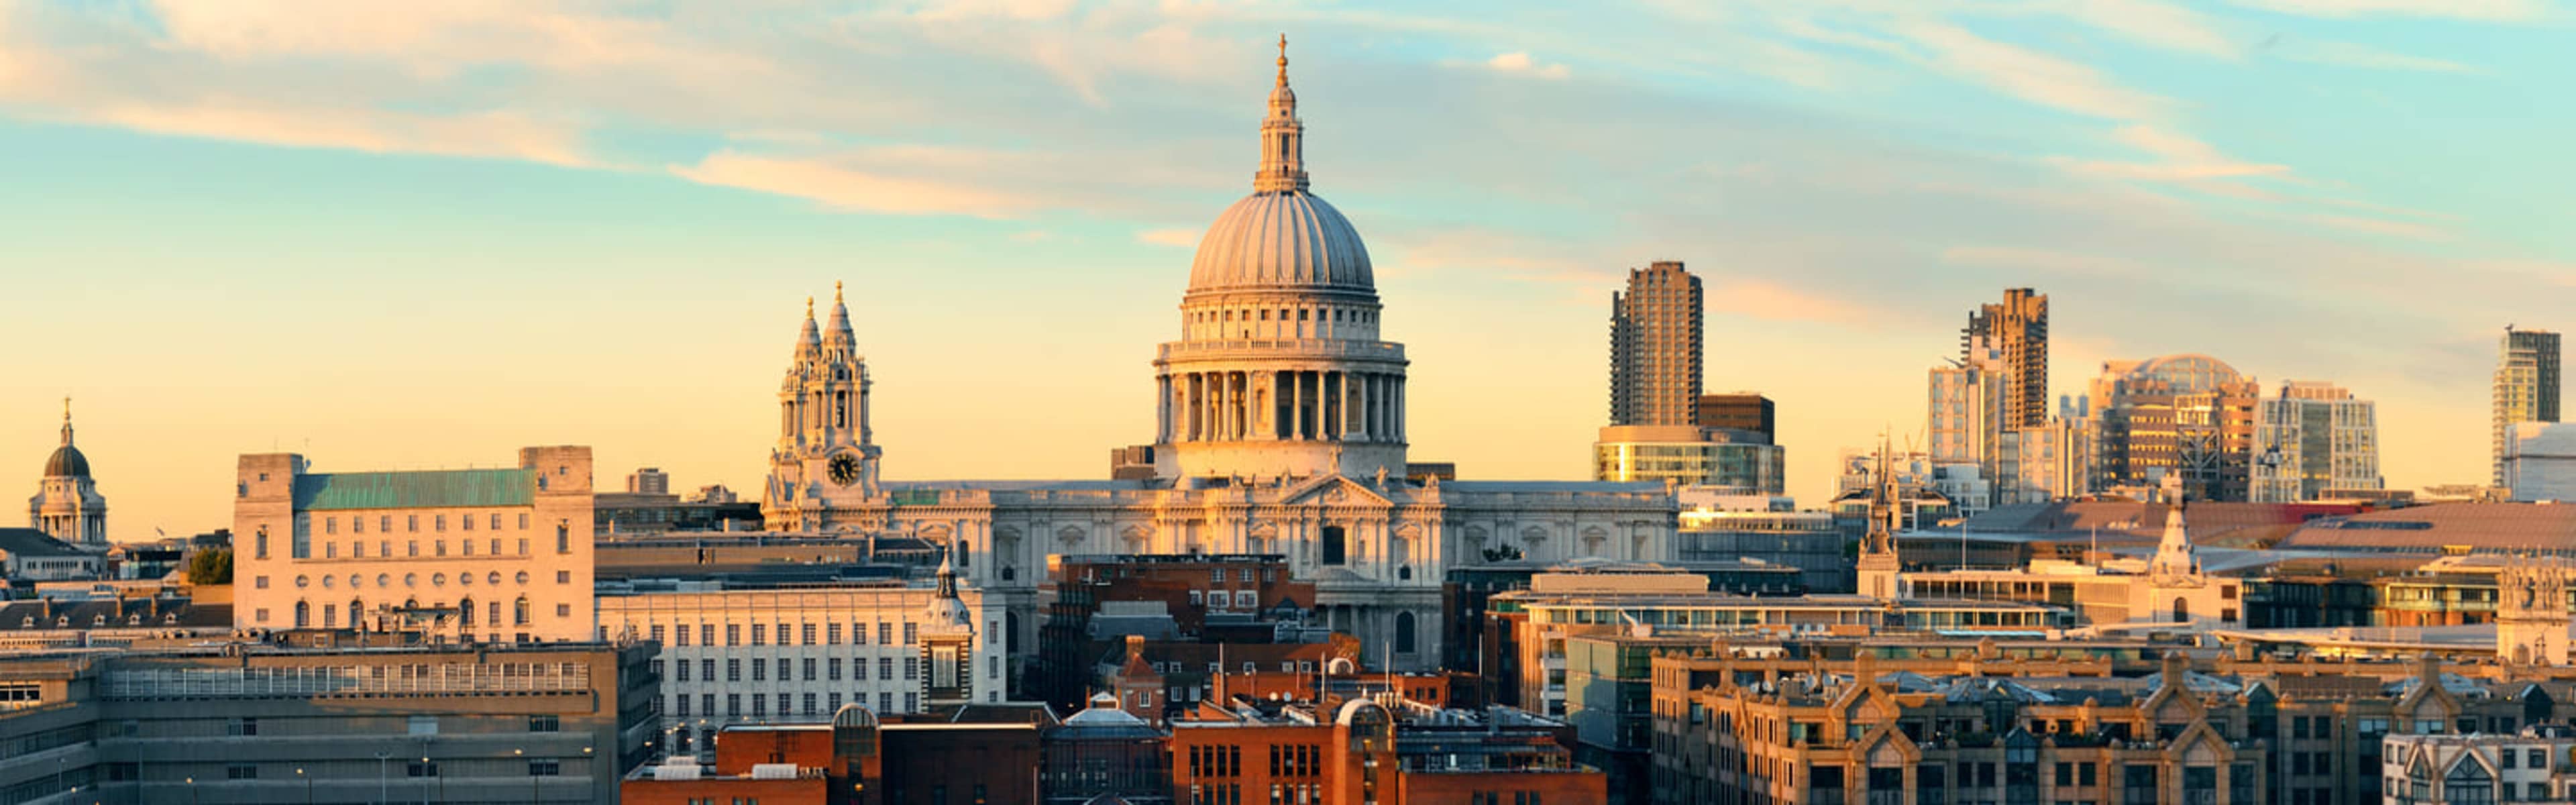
x: 642, y: 310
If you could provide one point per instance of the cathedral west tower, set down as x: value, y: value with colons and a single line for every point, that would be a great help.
x: 826, y: 457
x: 1279, y: 370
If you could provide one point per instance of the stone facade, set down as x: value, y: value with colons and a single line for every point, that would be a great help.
x: 469, y: 555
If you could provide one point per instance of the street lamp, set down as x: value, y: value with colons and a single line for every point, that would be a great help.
x: 532, y: 774
x: 308, y: 785
x: 384, y: 789
x: 192, y: 790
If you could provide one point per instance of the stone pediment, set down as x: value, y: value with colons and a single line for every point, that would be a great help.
x: 1884, y: 745
x: 1334, y: 490
x: 2200, y: 745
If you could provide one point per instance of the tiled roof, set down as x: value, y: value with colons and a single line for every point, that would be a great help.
x: 31, y: 542
x: 2480, y: 526
x: 416, y: 490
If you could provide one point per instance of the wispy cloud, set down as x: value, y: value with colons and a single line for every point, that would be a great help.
x: 2346, y: 54
x: 840, y: 186
x: 1770, y: 301
x: 1519, y: 62
x: 1177, y: 237
x: 2498, y: 10
x: 2029, y: 74
x: 2178, y: 159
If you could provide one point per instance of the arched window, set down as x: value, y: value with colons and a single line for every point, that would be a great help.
x: 2182, y: 611
x: 1404, y: 633
x: 357, y: 614
x: 465, y: 608
x: 563, y: 538
x: 303, y: 614
x: 965, y: 552
x: 520, y: 612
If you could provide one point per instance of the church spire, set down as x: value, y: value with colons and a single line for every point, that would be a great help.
x: 808, y: 339
x: 838, y: 333
x: 1283, y: 138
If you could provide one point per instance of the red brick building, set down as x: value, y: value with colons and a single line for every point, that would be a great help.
x: 854, y: 760
x: 1384, y: 750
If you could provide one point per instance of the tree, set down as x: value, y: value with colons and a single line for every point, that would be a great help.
x: 211, y: 567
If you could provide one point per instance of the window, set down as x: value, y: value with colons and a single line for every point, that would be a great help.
x: 465, y: 546
x: 521, y: 612
x: 832, y: 669
x: 413, y: 547
x: 523, y: 543
x: 808, y: 633
x: 523, y: 577
x: 241, y: 727
x: 885, y: 634
x: 707, y: 671
x: 1333, y: 550
x: 467, y: 521
x: 411, y: 522
x: 259, y: 582
x: 911, y: 633
x: 682, y: 675
x: 384, y: 524
x: 760, y: 669
x: 759, y: 634
x: 733, y: 670
x: 563, y: 538
x: 357, y: 525
x: 809, y: 670
x: 496, y: 525
x: 241, y: 771
x: 420, y: 768
x: 330, y: 525
x: 759, y: 705
x: 911, y: 668
x: 885, y: 668
x: 733, y: 704
x: 563, y: 610
x: 438, y: 523
x: 563, y: 577
x: 832, y: 634
x: 706, y: 634
x: 545, y: 723
x: 547, y: 767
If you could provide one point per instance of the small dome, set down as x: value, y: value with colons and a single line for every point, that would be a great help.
x: 67, y: 462
x: 1281, y: 239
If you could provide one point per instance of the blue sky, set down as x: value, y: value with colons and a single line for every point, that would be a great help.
x: 421, y: 235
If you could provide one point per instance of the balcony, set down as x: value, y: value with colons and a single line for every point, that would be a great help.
x: 1326, y: 348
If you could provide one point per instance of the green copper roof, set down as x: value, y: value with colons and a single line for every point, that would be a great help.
x: 415, y: 490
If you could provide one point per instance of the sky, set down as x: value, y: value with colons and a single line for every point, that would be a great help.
x: 422, y: 235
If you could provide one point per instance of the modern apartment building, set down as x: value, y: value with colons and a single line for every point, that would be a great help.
x: 254, y: 723
x: 1691, y: 456
x: 2527, y: 384
x: 2312, y: 439
x: 1655, y: 343
x: 478, y: 555
x: 2187, y: 416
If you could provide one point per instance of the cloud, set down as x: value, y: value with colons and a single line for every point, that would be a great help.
x: 2346, y: 54
x: 2492, y: 10
x: 1182, y: 238
x: 2165, y: 25
x: 842, y: 186
x: 2029, y: 74
x: 1519, y: 62
x: 2180, y: 159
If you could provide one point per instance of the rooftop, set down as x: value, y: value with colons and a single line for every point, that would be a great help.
x: 425, y: 489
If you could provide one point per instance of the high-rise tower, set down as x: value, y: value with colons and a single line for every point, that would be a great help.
x: 1655, y: 342
x: 2526, y: 385
x: 2017, y: 330
x: 1279, y: 370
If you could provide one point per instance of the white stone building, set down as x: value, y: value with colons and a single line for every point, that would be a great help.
x: 2540, y: 461
x: 2427, y: 767
x: 490, y: 555
x: 1281, y: 428
x: 67, y: 505
x: 778, y: 654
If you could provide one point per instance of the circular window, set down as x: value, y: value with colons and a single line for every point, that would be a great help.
x: 466, y: 579
x: 326, y: 582
x: 356, y: 581
x: 411, y: 579
x: 523, y: 577
x: 495, y: 579
x: 301, y: 581
x: 438, y: 579
x: 383, y: 580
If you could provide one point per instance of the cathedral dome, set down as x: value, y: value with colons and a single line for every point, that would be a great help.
x: 1281, y: 236
x: 1281, y: 239
x: 67, y: 462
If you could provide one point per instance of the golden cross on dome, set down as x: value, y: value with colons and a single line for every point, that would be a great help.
x: 1283, y: 59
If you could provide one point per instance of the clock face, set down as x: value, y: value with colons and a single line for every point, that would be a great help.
x: 844, y: 468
